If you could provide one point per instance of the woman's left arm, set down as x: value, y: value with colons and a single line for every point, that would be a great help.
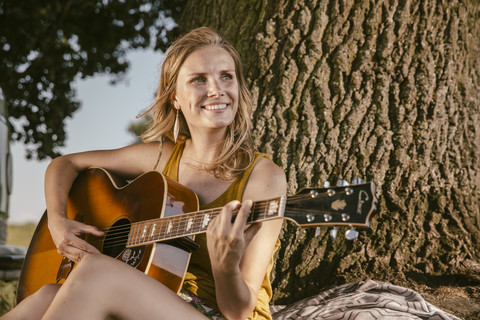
x: 241, y: 253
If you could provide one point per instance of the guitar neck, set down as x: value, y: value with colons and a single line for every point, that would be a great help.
x: 197, y: 222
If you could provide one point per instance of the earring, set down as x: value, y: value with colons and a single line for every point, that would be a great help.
x: 176, y: 128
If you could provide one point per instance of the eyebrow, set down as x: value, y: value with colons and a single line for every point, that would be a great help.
x: 204, y: 73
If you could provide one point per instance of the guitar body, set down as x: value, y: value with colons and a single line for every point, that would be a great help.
x: 97, y: 198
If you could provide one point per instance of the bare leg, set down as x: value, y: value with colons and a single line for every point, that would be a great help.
x: 34, y: 306
x: 100, y: 287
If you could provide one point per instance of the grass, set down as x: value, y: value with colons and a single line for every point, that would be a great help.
x: 17, y: 235
x: 20, y: 235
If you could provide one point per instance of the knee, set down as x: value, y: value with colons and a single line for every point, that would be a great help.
x: 92, y: 267
x: 90, y: 262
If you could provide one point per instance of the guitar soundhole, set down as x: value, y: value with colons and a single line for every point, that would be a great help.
x: 116, y: 238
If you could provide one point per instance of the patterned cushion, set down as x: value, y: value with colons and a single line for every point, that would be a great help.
x: 362, y: 301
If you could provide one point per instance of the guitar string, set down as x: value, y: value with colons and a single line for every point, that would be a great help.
x: 124, y: 240
x: 184, y: 216
x: 176, y: 223
x: 290, y: 199
x: 118, y: 234
x: 121, y: 234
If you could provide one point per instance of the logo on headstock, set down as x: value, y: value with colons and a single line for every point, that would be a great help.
x: 338, y: 205
x: 362, y: 197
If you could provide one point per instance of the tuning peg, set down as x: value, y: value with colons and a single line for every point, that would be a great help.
x: 333, y: 233
x: 313, y: 193
x: 331, y: 192
x: 326, y: 184
x: 317, y: 232
x: 351, y: 234
x: 358, y: 181
x: 342, y: 183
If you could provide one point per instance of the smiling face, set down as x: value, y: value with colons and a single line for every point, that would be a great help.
x: 207, y: 89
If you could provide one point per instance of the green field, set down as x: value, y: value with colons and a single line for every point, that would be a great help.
x: 18, y: 235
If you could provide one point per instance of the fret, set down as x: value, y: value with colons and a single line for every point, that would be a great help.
x: 179, y: 225
x: 169, y: 227
x: 144, y: 231
x: 152, y: 232
x: 162, y: 229
x: 147, y: 231
x: 265, y: 210
x: 189, y: 224
x: 198, y: 222
x: 135, y: 234
x: 252, y: 217
x: 205, y: 221
x: 139, y: 234
x: 272, y: 207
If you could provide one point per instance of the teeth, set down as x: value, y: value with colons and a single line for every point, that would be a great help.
x: 216, y: 107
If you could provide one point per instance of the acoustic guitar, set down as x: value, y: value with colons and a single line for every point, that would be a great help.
x: 149, y: 223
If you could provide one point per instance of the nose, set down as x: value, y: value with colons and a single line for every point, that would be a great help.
x: 214, y: 90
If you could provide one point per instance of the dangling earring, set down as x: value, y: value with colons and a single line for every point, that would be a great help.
x: 176, y: 128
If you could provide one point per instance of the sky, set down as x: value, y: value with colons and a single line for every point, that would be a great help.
x: 101, y: 123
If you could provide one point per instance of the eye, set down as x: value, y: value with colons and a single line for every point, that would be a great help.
x: 227, y: 76
x: 198, y: 80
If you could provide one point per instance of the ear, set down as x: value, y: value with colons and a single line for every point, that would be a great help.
x: 174, y: 101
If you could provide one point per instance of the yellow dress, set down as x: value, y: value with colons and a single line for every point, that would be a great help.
x: 199, y: 278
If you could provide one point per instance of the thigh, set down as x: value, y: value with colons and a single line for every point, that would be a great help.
x: 117, y: 289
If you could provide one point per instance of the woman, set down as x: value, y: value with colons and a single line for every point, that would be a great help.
x: 203, y: 105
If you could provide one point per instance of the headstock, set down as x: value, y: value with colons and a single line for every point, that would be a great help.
x: 342, y: 205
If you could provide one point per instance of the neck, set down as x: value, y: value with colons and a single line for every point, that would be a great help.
x: 204, y: 148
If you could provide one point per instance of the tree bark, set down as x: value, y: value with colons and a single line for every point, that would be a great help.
x: 384, y: 90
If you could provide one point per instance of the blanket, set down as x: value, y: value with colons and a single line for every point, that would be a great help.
x: 361, y: 301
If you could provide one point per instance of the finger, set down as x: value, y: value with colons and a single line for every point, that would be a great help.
x: 87, y: 247
x: 93, y: 230
x: 242, y: 216
x: 81, y: 244
x: 79, y: 255
x: 68, y: 251
x: 75, y: 255
x: 80, y: 228
x: 227, y: 212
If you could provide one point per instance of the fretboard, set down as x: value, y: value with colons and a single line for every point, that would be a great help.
x: 192, y: 223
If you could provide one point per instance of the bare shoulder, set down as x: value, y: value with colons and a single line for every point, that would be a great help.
x: 154, y: 155
x: 266, y: 180
x: 128, y: 162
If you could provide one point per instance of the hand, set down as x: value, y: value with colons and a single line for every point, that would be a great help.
x: 227, y: 241
x: 65, y: 234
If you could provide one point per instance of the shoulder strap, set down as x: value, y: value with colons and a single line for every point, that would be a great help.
x: 171, y: 166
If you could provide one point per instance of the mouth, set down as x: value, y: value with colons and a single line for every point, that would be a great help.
x: 220, y: 106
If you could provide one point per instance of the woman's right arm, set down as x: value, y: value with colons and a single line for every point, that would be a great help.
x: 127, y: 162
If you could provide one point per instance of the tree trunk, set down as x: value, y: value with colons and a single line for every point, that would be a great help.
x: 384, y: 90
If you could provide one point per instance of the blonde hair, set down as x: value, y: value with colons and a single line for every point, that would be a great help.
x: 237, y: 150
